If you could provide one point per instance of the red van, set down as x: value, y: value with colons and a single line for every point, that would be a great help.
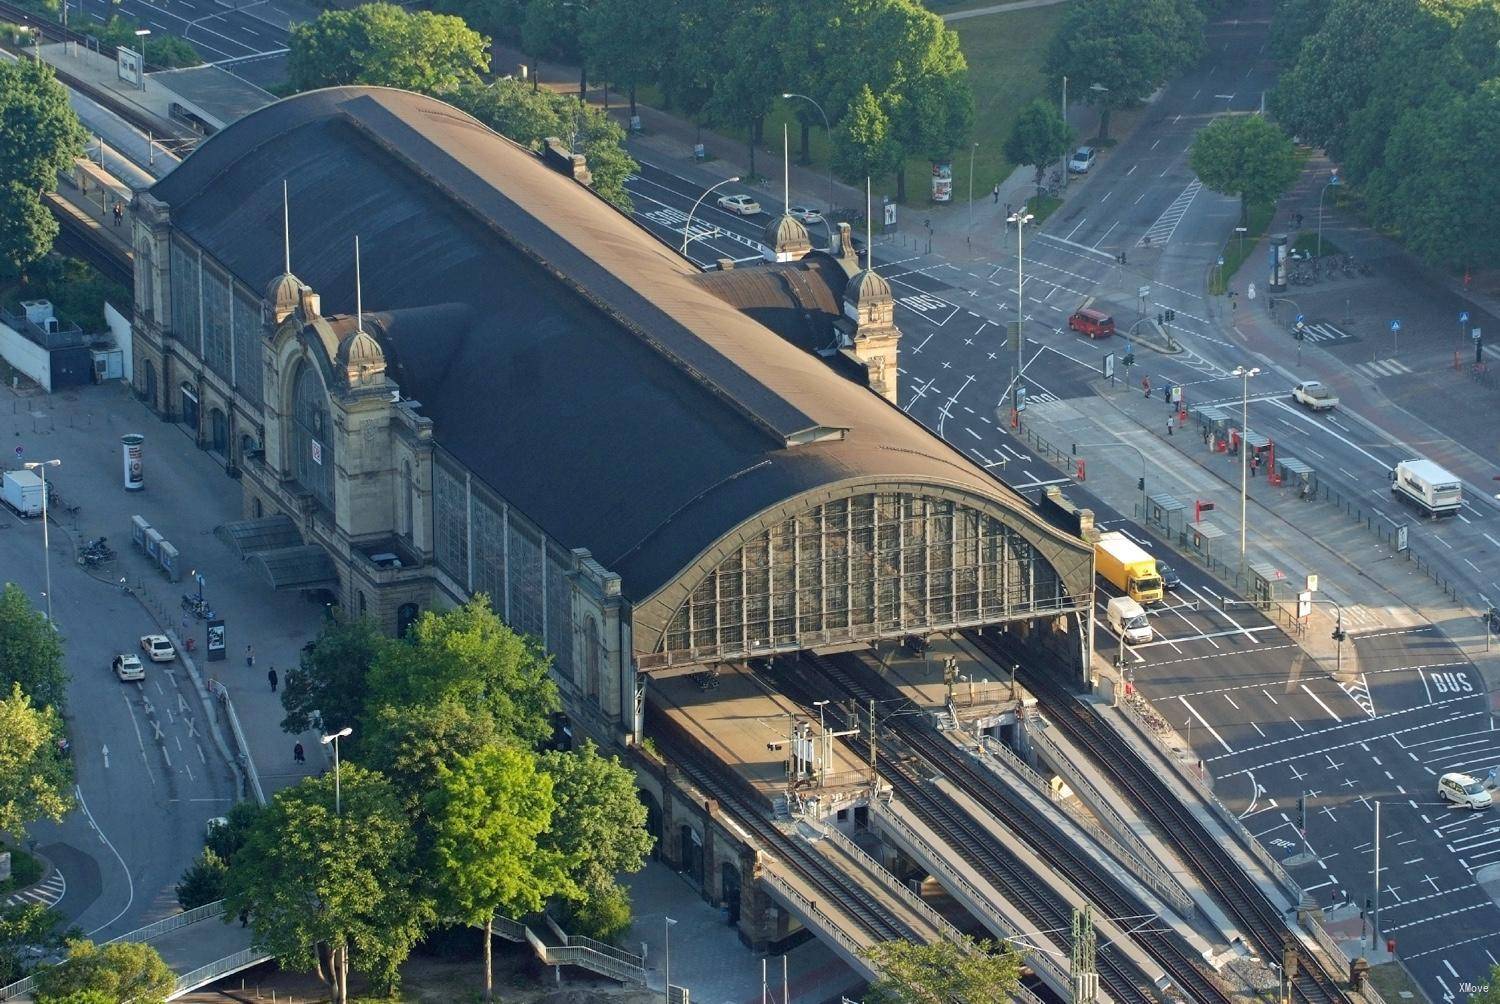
x: 1094, y: 323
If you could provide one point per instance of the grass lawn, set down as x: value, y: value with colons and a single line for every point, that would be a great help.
x: 25, y: 870
x: 1307, y: 240
x: 1041, y: 206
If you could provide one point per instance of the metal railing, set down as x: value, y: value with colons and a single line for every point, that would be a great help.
x: 219, y: 690
x: 814, y: 916
x: 991, y: 748
x: 581, y: 941
x: 585, y: 953
x: 895, y: 886
x: 18, y: 988
x: 208, y: 911
x: 1124, y: 839
x: 937, y: 862
x: 188, y: 982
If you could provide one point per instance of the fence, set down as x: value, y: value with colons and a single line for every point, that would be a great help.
x: 815, y: 917
x: 576, y: 950
x: 1385, y: 530
x: 191, y: 981
x: 220, y: 691
x: 894, y: 885
x: 208, y: 911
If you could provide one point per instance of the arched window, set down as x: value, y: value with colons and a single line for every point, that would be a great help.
x: 312, y: 436
x: 406, y: 616
x: 218, y: 425
x: 409, y: 506
x: 591, y: 658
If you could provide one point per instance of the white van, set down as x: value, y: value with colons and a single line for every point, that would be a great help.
x: 1428, y: 486
x: 1464, y: 790
x: 1128, y: 620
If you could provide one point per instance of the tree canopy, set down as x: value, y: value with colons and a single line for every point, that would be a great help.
x: 1038, y: 137
x: 1244, y: 155
x: 35, y: 779
x: 329, y: 892
x: 30, y: 649
x: 385, y: 45
x: 942, y: 972
x: 599, y: 825
x: 326, y: 690
x: 118, y: 972
x: 41, y: 136
x: 487, y: 814
x: 1128, y: 48
x: 470, y: 657
x: 25, y: 927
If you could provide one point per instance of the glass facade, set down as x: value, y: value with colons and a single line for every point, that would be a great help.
x: 871, y: 566
x: 248, y: 365
x: 450, y: 523
x: 217, y: 323
x: 183, y: 279
x: 312, y: 436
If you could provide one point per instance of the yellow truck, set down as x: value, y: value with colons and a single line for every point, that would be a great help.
x: 1122, y: 562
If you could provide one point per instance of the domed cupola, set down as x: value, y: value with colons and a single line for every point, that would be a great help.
x: 785, y: 238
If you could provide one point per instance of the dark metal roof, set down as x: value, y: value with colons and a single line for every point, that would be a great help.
x: 577, y: 365
x: 306, y: 566
x: 798, y: 300
x: 247, y: 536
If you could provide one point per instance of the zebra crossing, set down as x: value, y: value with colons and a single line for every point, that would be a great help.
x: 1382, y: 368
x: 1166, y: 224
x: 47, y: 892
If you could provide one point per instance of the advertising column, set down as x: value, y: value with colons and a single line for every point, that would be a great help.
x: 942, y: 181
x: 130, y: 456
x: 1278, y: 264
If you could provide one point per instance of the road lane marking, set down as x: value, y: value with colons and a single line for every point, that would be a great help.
x: 1202, y: 721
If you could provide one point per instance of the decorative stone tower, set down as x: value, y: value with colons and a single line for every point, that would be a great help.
x: 785, y: 238
x: 871, y: 332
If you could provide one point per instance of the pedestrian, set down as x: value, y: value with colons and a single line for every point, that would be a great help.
x: 244, y: 917
x: 1169, y: 425
x: 1146, y: 387
x: 250, y: 656
x: 997, y: 193
x: 271, y: 675
x: 1207, y: 432
x: 298, y: 754
x: 119, y: 211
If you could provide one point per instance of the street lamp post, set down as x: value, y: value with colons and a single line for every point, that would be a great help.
x: 687, y: 228
x: 40, y: 466
x: 1244, y: 375
x: 1062, y: 163
x: 667, y: 961
x: 1020, y: 218
x: 1332, y: 180
x: 971, y: 188
x: 828, y: 131
x: 141, y: 34
x: 338, y: 800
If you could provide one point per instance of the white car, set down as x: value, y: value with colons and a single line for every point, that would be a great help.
x: 128, y: 667
x: 158, y: 648
x: 744, y: 205
x: 1315, y: 396
x: 1082, y: 159
x: 805, y: 214
x: 1464, y: 790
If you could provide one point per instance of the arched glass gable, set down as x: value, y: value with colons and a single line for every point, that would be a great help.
x: 873, y: 565
x: 312, y: 436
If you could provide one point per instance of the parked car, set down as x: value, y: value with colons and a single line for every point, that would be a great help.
x: 128, y: 667
x: 1082, y: 159
x: 1091, y: 322
x: 1314, y: 395
x: 158, y: 648
x: 744, y: 205
x: 1465, y: 790
x: 1169, y: 577
x: 806, y: 215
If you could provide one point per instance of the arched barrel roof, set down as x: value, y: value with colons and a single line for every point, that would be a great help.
x: 589, y: 380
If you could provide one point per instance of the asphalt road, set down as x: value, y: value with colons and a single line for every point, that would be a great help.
x: 248, y: 37
x: 148, y: 776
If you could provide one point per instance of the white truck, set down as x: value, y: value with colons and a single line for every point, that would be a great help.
x: 22, y: 491
x: 1315, y: 396
x: 1127, y: 619
x: 1427, y: 486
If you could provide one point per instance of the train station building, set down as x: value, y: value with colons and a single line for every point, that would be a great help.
x: 518, y: 391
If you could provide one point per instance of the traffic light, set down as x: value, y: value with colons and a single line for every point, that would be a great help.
x: 1140, y: 484
x: 1161, y: 319
x: 1130, y: 358
x: 1302, y: 814
x: 1171, y: 314
x: 1339, y: 634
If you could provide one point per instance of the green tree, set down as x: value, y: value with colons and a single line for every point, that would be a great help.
x: 25, y: 927
x: 942, y: 972
x: 1244, y: 155
x: 122, y: 971
x: 469, y: 656
x: 1294, y: 21
x: 326, y: 690
x: 1491, y: 993
x: 1128, y: 48
x: 35, y: 780
x: 82, y: 997
x: 41, y: 136
x: 529, y: 117
x: 626, y: 40
x: 600, y: 822
x: 30, y: 650
x: 931, y: 104
x: 749, y: 39
x: 228, y: 837
x: 487, y: 813
x: 382, y: 44
x: 863, y: 147
x: 1038, y: 137
x: 331, y: 892
x: 204, y: 880
x: 550, y: 29
x: 408, y: 743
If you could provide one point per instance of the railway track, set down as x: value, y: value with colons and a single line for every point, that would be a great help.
x: 729, y: 789
x: 974, y: 842
x: 1244, y: 900
x: 75, y: 238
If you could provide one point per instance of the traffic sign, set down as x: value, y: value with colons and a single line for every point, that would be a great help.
x: 20, y: 452
x: 1299, y: 318
x: 1221, y: 261
x: 1395, y: 326
x: 1144, y: 292
x: 1463, y: 317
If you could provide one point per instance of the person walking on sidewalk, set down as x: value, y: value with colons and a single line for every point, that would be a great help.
x: 1169, y: 424
x: 249, y: 656
x: 298, y: 754
x: 997, y: 193
x: 271, y: 676
x: 119, y: 211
